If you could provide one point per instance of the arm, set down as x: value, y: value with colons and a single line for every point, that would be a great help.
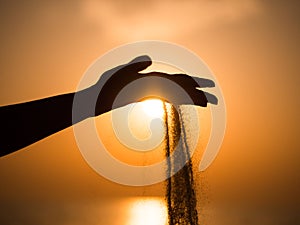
x: 26, y: 123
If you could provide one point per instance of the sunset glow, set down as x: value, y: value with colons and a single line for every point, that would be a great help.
x: 252, y: 48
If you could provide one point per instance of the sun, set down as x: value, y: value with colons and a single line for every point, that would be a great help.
x: 148, y: 212
x: 153, y: 108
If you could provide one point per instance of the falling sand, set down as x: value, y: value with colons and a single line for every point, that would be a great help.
x: 180, y: 192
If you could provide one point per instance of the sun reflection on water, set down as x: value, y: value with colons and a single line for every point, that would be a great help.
x: 148, y: 211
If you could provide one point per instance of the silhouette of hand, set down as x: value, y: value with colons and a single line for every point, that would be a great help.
x: 125, y: 84
x: 28, y: 122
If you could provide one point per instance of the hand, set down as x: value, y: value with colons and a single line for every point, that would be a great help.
x: 126, y: 84
x: 25, y: 123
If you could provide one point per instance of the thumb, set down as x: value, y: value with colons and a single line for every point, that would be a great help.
x: 138, y: 64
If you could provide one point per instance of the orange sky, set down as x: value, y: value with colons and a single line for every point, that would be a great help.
x: 251, y: 46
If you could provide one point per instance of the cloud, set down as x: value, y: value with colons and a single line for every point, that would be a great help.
x: 165, y: 18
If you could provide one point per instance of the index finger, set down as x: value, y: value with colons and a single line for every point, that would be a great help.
x: 203, y: 82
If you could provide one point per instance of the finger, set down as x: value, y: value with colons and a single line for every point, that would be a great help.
x: 198, y: 97
x: 203, y: 82
x: 138, y: 64
x: 187, y: 80
x: 184, y: 80
x: 201, y: 98
x: 211, y: 98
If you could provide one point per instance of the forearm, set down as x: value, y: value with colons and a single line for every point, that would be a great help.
x: 26, y: 123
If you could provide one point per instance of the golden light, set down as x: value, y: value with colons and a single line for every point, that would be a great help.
x: 153, y: 108
x: 148, y: 212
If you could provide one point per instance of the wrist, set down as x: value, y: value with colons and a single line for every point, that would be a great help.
x: 84, y: 103
x: 93, y: 102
